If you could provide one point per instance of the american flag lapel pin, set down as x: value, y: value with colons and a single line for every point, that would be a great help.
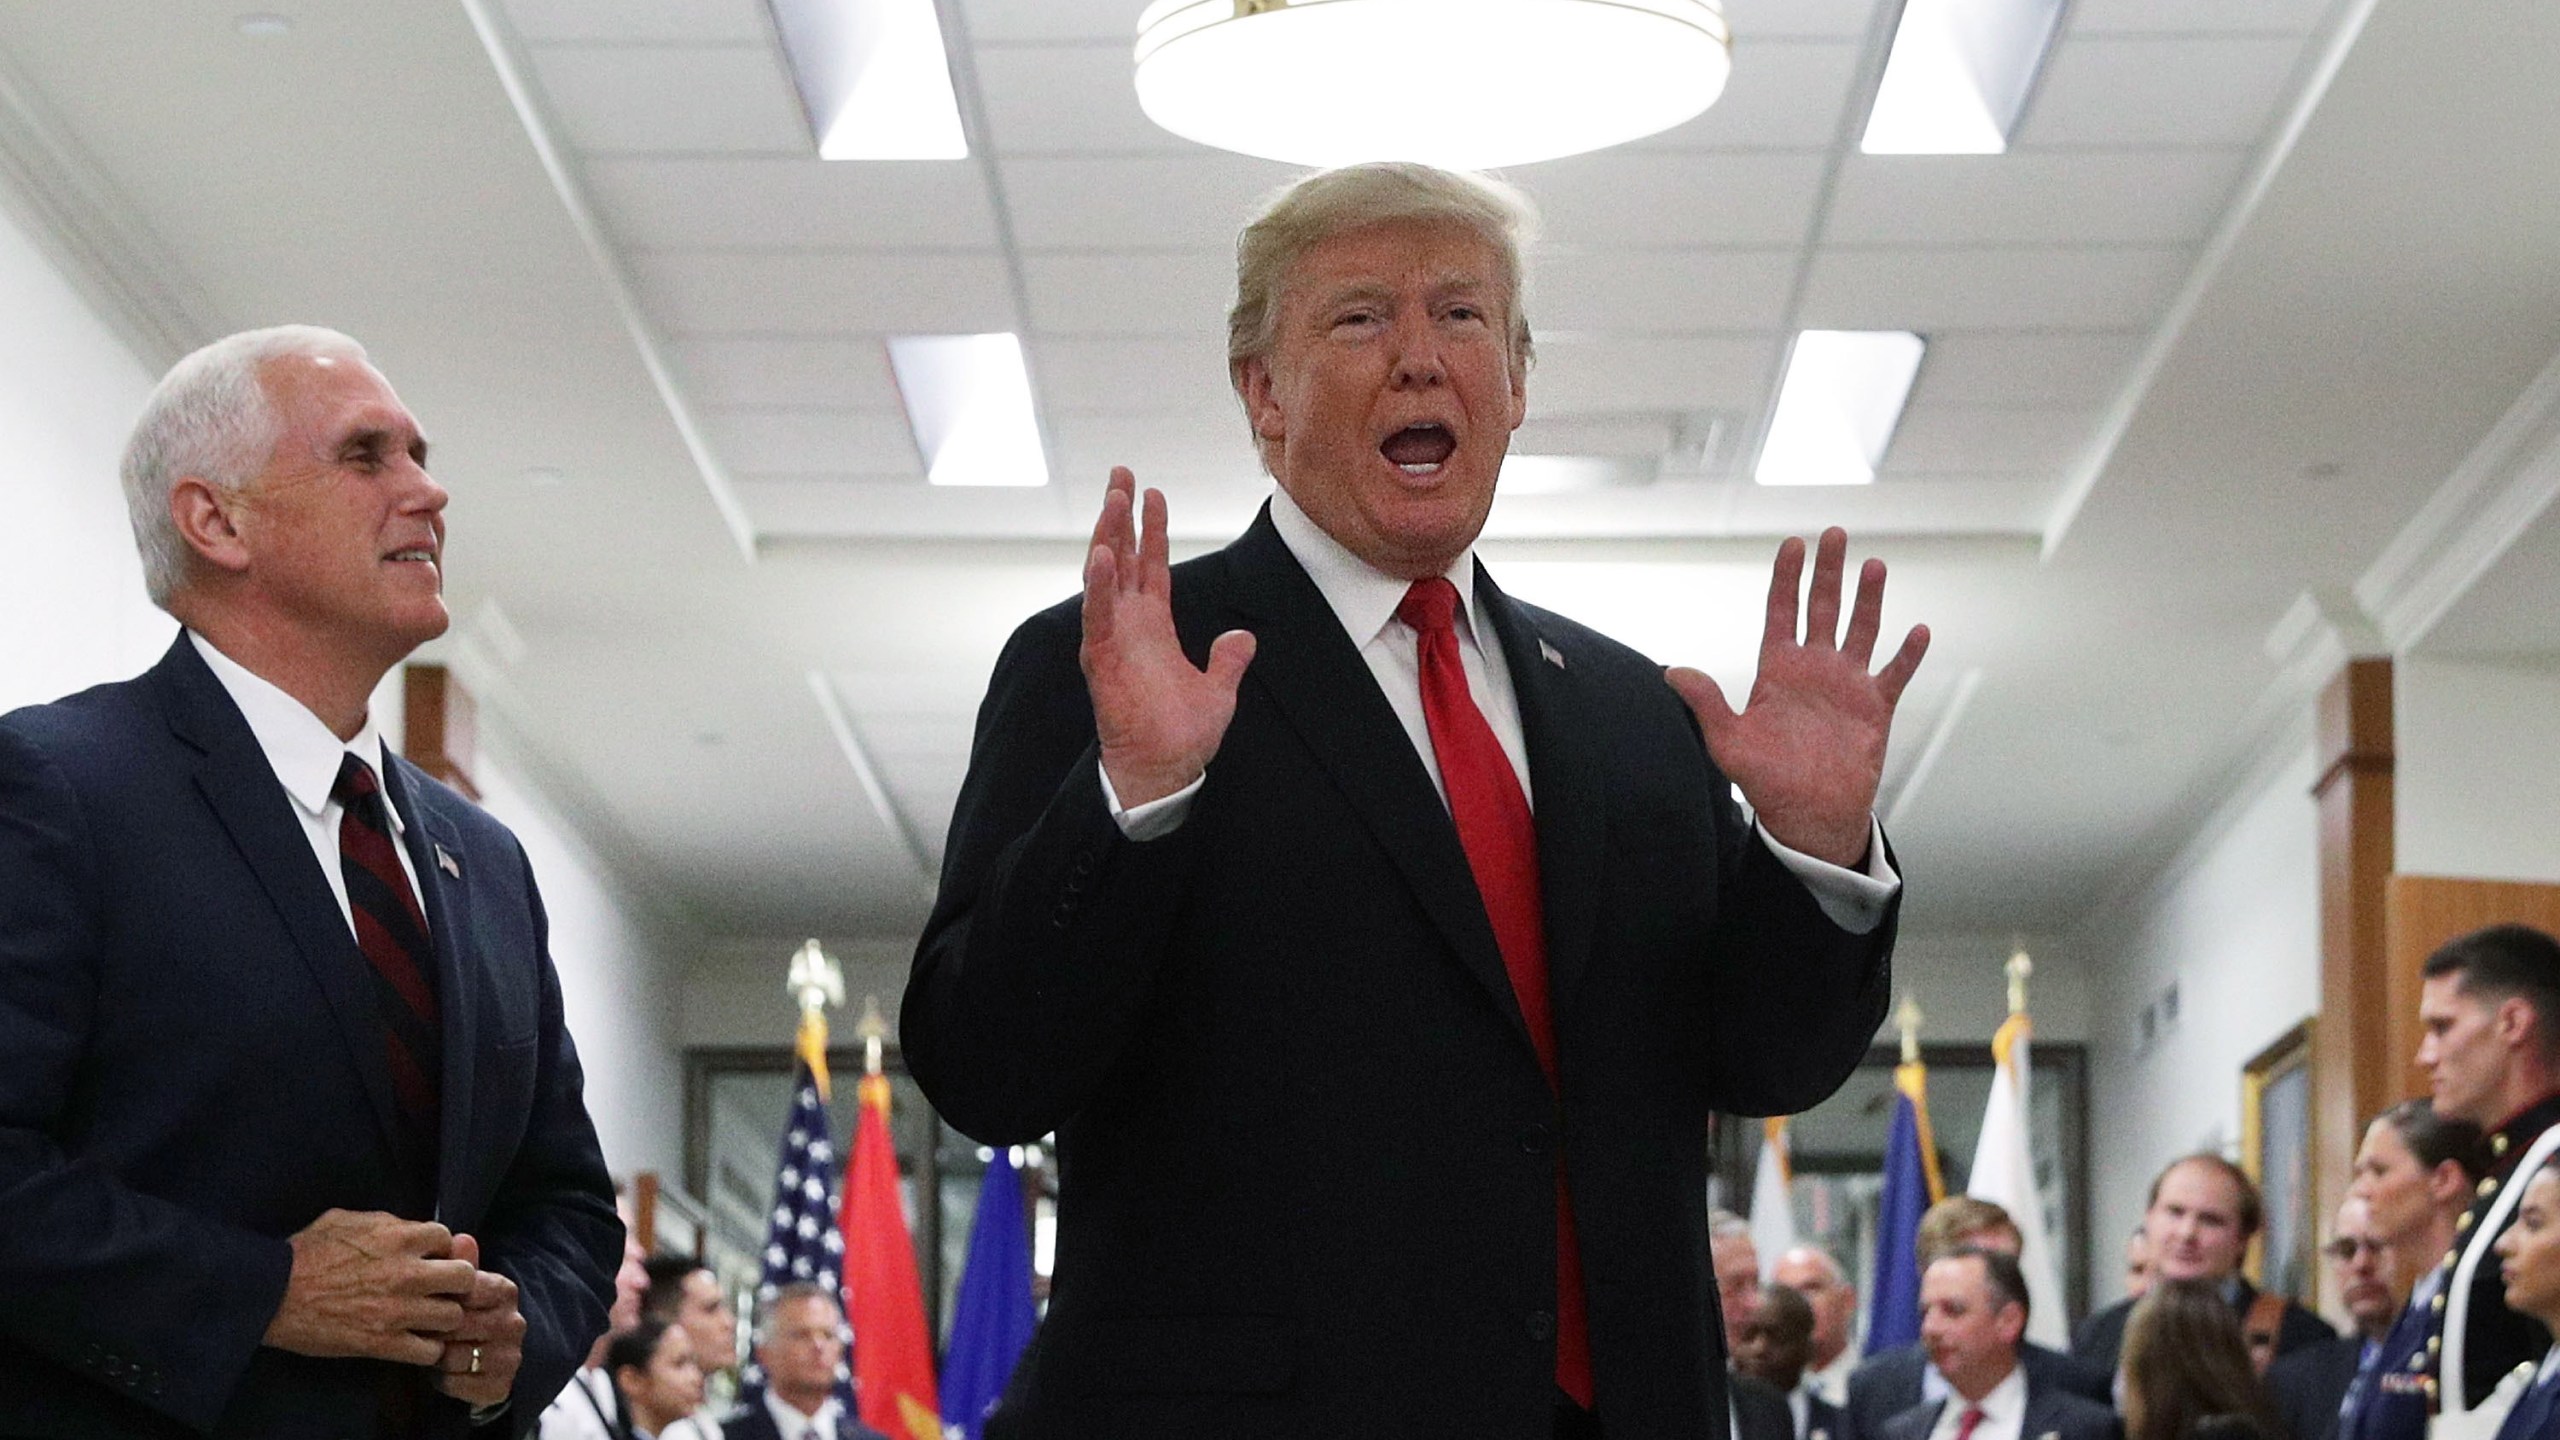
x: 1551, y: 654
x: 446, y: 863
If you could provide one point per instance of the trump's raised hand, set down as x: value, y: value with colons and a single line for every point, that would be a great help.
x: 1160, y: 717
x: 1807, y: 747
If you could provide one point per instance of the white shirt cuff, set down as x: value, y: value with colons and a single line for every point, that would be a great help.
x: 1855, y: 902
x: 1155, y: 819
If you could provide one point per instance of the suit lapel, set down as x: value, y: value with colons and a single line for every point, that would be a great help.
x: 241, y: 788
x: 1564, y: 776
x: 434, y: 844
x: 1314, y: 676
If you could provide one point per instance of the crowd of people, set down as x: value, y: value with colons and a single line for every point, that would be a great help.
x: 667, y: 1367
x: 2445, y: 1255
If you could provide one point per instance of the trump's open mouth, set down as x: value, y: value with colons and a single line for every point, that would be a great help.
x: 1419, y: 449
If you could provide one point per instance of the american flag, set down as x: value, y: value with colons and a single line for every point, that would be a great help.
x: 800, y: 1239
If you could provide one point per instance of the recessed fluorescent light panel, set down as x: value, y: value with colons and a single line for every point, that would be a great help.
x: 873, y: 78
x: 968, y: 401
x: 1958, y: 76
x: 1837, y: 407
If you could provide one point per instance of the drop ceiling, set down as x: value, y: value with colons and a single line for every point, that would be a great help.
x: 2256, y: 280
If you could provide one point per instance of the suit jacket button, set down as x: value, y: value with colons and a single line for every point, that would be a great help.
x: 1533, y: 1138
x: 1542, y: 1325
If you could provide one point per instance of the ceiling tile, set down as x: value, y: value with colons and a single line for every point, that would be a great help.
x: 1625, y: 197
x: 1016, y: 20
x: 1175, y: 293
x: 2132, y: 91
x: 1984, y: 288
x: 799, y: 442
x: 1134, y: 377
x: 851, y: 374
x: 1055, y: 99
x: 800, y: 292
x: 1688, y: 373
x: 1660, y: 292
x: 1197, y: 199
x: 680, y: 203
x: 1784, y: 95
x: 645, y: 20
x: 1967, y: 440
x: 2094, y: 17
x: 1993, y: 367
x: 1833, y: 18
x: 623, y: 98
x: 2144, y: 197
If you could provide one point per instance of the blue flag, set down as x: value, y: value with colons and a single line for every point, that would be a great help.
x: 1911, y: 1186
x: 992, y: 1318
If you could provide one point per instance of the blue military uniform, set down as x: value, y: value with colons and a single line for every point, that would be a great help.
x: 2393, y: 1393
x: 2469, y: 1315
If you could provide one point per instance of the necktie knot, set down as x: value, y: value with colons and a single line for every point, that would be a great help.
x: 1430, y: 605
x: 1968, y: 1422
x: 355, y: 782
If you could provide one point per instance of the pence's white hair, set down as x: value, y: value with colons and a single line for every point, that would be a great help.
x: 210, y: 417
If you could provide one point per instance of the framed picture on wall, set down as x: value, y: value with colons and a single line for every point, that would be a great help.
x: 2275, y: 1148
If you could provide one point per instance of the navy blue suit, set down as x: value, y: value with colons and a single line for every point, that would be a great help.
x: 190, y: 1073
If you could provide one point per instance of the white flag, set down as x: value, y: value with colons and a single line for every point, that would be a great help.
x: 2004, y: 1172
x: 1773, y: 1210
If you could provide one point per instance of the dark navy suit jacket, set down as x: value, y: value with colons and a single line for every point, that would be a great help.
x: 2052, y: 1414
x: 190, y: 1073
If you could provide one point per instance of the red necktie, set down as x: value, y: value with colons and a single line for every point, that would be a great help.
x: 392, y: 933
x: 1501, y: 840
x: 1966, y: 1422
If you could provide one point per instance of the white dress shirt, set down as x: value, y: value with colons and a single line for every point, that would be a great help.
x: 1365, y: 598
x: 2004, y: 1411
x: 1831, y: 1382
x: 586, y: 1409
x: 305, y: 756
x: 795, y: 1426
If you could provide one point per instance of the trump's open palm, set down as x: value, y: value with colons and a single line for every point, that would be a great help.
x: 1160, y: 718
x: 1808, y: 746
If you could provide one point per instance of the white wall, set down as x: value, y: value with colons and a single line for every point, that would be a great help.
x: 2235, y: 921
x: 2477, y: 783
x: 1961, y: 982
x: 734, y: 994
x: 72, y: 612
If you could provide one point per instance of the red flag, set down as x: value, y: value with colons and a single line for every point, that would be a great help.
x: 892, y: 1353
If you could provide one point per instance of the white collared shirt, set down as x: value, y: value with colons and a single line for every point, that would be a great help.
x: 305, y: 756
x: 1832, y: 1381
x: 2004, y: 1411
x: 1365, y: 598
x: 795, y: 1426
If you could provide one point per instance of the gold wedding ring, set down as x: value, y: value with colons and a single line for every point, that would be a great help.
x: 475, y: 1361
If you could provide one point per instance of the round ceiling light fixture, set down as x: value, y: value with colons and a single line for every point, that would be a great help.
x: 1466, y: 84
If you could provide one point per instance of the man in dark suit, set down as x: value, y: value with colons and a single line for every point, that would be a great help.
x: 2309, y: 1385
x: 2201, y: 1215
x: 1887, y: 1384
x: 800, y: 1347
x: 291, y: 1137
x: 1379, y: 994
x: 1773, y: 1347
x: 1973, y: 1314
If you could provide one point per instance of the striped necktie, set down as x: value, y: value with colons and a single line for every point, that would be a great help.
x: 392, y: 933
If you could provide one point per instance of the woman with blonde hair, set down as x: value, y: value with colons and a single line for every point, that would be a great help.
x: 2187, y: 1374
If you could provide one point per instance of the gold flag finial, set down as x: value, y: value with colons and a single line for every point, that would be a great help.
x: 817, y: 982
x: 2018, y: 969
x: 1910, y: 1018
x: 873, y: 1027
